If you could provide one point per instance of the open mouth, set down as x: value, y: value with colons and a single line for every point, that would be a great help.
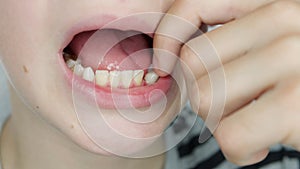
x: 116, y: 66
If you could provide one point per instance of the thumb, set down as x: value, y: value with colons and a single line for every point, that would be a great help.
x: 176, y: 28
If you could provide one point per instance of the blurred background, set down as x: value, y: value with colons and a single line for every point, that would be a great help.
x: 4, y: 94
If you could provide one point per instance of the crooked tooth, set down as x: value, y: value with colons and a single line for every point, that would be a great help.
x: 71, y: 63
x: 78, y: 70
x: 151, y: 78
x: 126, y: 78
x: 88, y: 74
x: 138, y: 77
x: 102, y: 77
x: 114, y: 78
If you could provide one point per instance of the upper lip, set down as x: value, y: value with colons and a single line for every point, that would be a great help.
x: 102, y: 21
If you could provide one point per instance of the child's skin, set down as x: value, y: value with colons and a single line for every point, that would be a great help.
x: 32, y: 32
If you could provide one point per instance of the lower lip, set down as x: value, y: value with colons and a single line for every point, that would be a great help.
x: 108, y: 98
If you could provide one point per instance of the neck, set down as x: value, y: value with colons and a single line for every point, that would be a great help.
x: 28, y: 142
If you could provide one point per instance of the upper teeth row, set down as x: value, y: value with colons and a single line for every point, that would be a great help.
x: 125, y: 79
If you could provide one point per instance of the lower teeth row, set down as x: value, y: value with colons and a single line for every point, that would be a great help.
x: 115, y: 79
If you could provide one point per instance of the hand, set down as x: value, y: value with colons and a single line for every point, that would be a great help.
x: 195, y: 12
x: 260, y: 53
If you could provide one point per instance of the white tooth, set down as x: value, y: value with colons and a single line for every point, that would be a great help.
x: 126, y: 78
x: 114, y: 78
x: 138, y: 77
x: 151, y: 77
x: 78, y: 70
x: 88, y: 74
x: 71, y: 63
x: 102, y: 77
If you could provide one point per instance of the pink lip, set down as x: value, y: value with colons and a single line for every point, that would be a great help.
x: 106, y: 97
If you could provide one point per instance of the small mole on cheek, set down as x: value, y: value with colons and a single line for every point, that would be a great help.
x: 72, y: 126
x: 37, y: 107
x: 245, y: 53
x: 25, y: 69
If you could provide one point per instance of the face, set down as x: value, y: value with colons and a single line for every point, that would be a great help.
x: 38, y: 39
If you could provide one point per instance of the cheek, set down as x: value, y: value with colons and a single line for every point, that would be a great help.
x: 31, y: 62
x: 18, y: 38
x: 26, y: 52
x: 20, y: 17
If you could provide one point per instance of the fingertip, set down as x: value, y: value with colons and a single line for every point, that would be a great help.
x: 158, y: 67
x: 249, y: 159
x: 259, y: 156
x: 254, y: 158
x: 172, y: 32
x: 165, y: 55
x: 160, y: 73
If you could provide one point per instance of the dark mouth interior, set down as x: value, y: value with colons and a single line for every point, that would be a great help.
x: 70, y: 52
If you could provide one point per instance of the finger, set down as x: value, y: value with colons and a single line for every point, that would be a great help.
x: 246, y: 135
x: 237, y: 38
x: 250, y: 75
x: 288, y: 93
x: 174, y: 29
x: 185, y: 17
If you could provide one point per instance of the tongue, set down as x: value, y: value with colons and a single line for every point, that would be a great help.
x: 113, y: 50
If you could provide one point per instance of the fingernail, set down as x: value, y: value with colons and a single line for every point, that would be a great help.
x: 157, y: 67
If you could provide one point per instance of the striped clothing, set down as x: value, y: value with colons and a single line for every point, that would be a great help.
x: 190, y: 154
